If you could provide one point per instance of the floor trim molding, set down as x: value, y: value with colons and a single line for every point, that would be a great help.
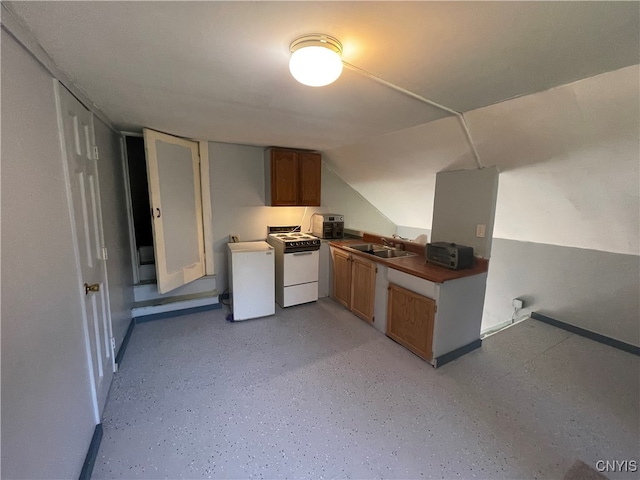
x: 612, y: 342
x: 177, y: 313
x: 457, y: 353
x: 125, y: 342
x: 92, y: 454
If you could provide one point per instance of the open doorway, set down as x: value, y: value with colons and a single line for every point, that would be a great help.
x: 166, y: 223
x: 140, y: 209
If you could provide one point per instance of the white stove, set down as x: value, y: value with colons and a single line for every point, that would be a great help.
x: 294, y: 241
x: 297, y: 263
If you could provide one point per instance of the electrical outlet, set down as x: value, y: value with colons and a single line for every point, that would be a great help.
x: 517, y: 303
x: 233, y: 239
x: 480, y: 230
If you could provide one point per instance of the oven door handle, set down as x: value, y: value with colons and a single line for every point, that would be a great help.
x: 302, y: 253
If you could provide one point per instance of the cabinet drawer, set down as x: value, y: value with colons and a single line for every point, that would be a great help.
x: 297, y: 294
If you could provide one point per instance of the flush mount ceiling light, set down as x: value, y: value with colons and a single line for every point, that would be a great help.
x: 316, y: 59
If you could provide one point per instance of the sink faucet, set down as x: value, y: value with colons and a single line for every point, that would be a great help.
x: 387, y: 243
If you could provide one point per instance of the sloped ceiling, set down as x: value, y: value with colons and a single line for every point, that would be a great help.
x: 581, y: 138
x: 219, y: 71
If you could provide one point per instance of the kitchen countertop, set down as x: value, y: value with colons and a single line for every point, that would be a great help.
x: 413, y: 265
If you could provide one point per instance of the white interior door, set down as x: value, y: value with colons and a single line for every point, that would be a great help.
x: 75, y: 125
x: 173, y: 170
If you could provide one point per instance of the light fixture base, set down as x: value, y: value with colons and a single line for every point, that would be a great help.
x: 316, y: 40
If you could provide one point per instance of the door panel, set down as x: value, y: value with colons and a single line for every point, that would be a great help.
x: 341, y: 277
x: 363, y: 288
x: 310, y: 166
x: 173, y: 169
x: 75, y: 124
x: 284, y: 178
x: 410, y: 319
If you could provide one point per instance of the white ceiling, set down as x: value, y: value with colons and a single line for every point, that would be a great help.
x: 218, y: 70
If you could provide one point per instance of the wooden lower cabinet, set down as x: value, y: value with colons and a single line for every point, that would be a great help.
x: 341, y: 291
x: 363, y: 288
x: 410, y: 319
x: 354, y: 283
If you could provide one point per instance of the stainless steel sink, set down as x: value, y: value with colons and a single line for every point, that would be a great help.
x: 381, y: 251
x: 369, y: 248
x: 393, y: 253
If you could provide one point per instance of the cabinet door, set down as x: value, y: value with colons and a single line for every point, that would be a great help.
x: 173, y: 171
x: 310, y: 169
x: 410, y: 320
x: 363, y: 288
x: 341, y: 277
x: 284, y: 178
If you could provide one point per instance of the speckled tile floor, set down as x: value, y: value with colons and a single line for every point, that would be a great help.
x: 314, y: 392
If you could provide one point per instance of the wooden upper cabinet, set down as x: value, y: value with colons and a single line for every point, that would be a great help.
x: 284, y: 177
x: 410, y: 319
x: 310, y: 171
x: 293, y: 177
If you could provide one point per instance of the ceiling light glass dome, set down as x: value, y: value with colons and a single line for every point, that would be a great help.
x: 316, y: 60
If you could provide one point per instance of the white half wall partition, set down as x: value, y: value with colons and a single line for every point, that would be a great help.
x: 465, y: 201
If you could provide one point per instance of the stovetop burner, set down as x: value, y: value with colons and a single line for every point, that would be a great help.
x: 293, y: 241
x: 293, y: 236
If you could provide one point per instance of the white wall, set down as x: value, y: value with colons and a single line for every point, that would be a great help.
x: 397, y: 172
x: 412, y: 233
x: 116, y: 229
x: 238, y: 202
x: 47, y: 414
x: 569, y: 183
x: 359, y: 214
x: 570, y: 165
x: 592, y: 289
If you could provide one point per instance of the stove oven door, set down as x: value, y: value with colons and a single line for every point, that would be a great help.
x: 300, y: 267
x: 300, y: 278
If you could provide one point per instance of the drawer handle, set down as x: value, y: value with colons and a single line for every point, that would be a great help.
x: 302, y: 253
